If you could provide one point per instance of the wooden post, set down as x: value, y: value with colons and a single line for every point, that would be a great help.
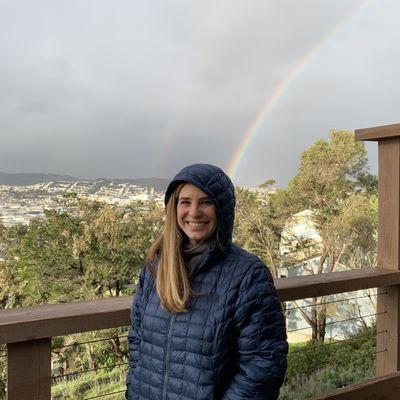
x: 29, y: 370
x: 388, y: 306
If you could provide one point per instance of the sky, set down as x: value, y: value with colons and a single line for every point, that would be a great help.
x: 129, y: 88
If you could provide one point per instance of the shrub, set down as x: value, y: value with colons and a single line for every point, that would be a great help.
x: 316, y: 368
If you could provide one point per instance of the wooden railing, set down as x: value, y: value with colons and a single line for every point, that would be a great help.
x: 28, y: 331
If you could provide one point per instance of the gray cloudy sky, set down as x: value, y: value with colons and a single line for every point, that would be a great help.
x: 129, y: 88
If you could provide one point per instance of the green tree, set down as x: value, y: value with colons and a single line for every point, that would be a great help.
x: 114, y: 244
x: 334, y: 183
x: 258, y: 226
x: 45, y: 263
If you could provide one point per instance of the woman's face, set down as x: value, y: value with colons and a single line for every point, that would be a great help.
x: 196, y: 214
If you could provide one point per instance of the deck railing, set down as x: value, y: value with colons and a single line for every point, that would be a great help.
x: 28, y: 331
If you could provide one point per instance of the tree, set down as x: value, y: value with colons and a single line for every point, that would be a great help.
x: 334, y: 183
x: 44, y: 262
x: 114, y: 244
x: 258, y: 226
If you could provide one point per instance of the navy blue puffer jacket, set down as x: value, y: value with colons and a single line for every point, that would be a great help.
x: 231, y: 344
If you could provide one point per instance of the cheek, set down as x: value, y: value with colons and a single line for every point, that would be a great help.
x: 179, y: 217
x: 214, y: 220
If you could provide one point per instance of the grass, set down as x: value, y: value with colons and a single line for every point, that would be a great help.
x: 92, y: 384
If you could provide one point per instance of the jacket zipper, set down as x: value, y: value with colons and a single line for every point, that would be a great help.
x: 167, y: 355
x: 202, y: 261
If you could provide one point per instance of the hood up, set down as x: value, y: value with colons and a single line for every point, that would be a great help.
x: 216, y: 184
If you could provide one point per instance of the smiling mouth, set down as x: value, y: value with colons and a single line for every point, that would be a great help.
x: 196, y: 224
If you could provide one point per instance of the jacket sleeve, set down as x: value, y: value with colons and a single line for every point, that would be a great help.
x: 134, y: 335
x: 261, y: 339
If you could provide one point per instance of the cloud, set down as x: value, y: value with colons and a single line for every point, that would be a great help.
x: 137, y: 88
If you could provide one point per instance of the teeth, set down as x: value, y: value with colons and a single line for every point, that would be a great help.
x: 196, y: 223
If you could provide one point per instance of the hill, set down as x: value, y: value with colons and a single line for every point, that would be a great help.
x: 26, y: 179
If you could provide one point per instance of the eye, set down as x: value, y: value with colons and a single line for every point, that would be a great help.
x: 184, y: 202
x: 206, y: 202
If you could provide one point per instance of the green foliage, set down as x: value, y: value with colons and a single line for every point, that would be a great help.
x: 329, y: 172
x: 92, y: 384
x: 267, y: 184
x: 334, y: 184
x: 323, y: 381
x: 315, y: 368
x: 90, y: 350
x: 258, y: 226
x: 92, y: 252
x: 358, y: 352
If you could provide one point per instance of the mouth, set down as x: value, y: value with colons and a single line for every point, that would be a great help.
x: 196, y: 224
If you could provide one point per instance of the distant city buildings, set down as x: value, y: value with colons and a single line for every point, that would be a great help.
x: 19, y: 204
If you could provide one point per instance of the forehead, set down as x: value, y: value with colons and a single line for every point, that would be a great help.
x: 190, y: 190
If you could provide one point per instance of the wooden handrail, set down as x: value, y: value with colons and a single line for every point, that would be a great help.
x: 378, y: 132
x: 302, y: 287
x: 385, y: 387
x: 28, y: 331
x: 24, y: 324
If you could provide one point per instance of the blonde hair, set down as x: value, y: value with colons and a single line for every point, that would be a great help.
x: 172, y: 280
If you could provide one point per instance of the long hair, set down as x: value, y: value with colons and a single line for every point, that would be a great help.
x: 172, y: 280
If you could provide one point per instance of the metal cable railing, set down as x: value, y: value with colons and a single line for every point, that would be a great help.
x: 78, y: 366
x: 91, y: 376
x: 104, y: 395
x: 340, y: 321
x: 89, y: 341
x: 333, y: 301
x: 75, y: 373
x: 343, y: 362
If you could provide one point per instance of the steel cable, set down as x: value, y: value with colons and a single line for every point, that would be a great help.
x: 333, y: 301
x: 337, y: 342
x: 337, y: 322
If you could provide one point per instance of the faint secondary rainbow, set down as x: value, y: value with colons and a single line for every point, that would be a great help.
x: 215, y: 39
x: 166, y: 145
x: 265, y: 109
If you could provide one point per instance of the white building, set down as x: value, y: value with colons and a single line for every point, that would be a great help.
x: 301, y: 243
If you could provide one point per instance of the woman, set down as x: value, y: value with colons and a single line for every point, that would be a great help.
x: 206, y: 320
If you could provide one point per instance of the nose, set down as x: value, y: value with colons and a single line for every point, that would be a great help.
x: 195, y: 210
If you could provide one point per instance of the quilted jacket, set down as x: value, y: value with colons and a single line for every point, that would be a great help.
x: 231, y: 344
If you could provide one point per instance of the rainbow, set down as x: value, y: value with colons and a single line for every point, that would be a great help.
x: 166, y: 145
x: 268, y: 105
x: 214, y: 40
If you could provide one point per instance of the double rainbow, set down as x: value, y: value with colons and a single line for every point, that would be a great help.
x: 261, y: 115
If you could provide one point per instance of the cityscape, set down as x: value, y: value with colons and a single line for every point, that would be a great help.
x: 20, y: 203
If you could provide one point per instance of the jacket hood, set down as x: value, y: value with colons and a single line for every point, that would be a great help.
x: 216, y: 184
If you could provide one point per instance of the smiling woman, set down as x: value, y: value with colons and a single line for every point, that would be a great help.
x: 206, y: 320
x: 196, y: 214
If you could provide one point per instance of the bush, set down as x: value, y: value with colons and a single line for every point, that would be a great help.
x: 317, y: 368
x: 302, y: 387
